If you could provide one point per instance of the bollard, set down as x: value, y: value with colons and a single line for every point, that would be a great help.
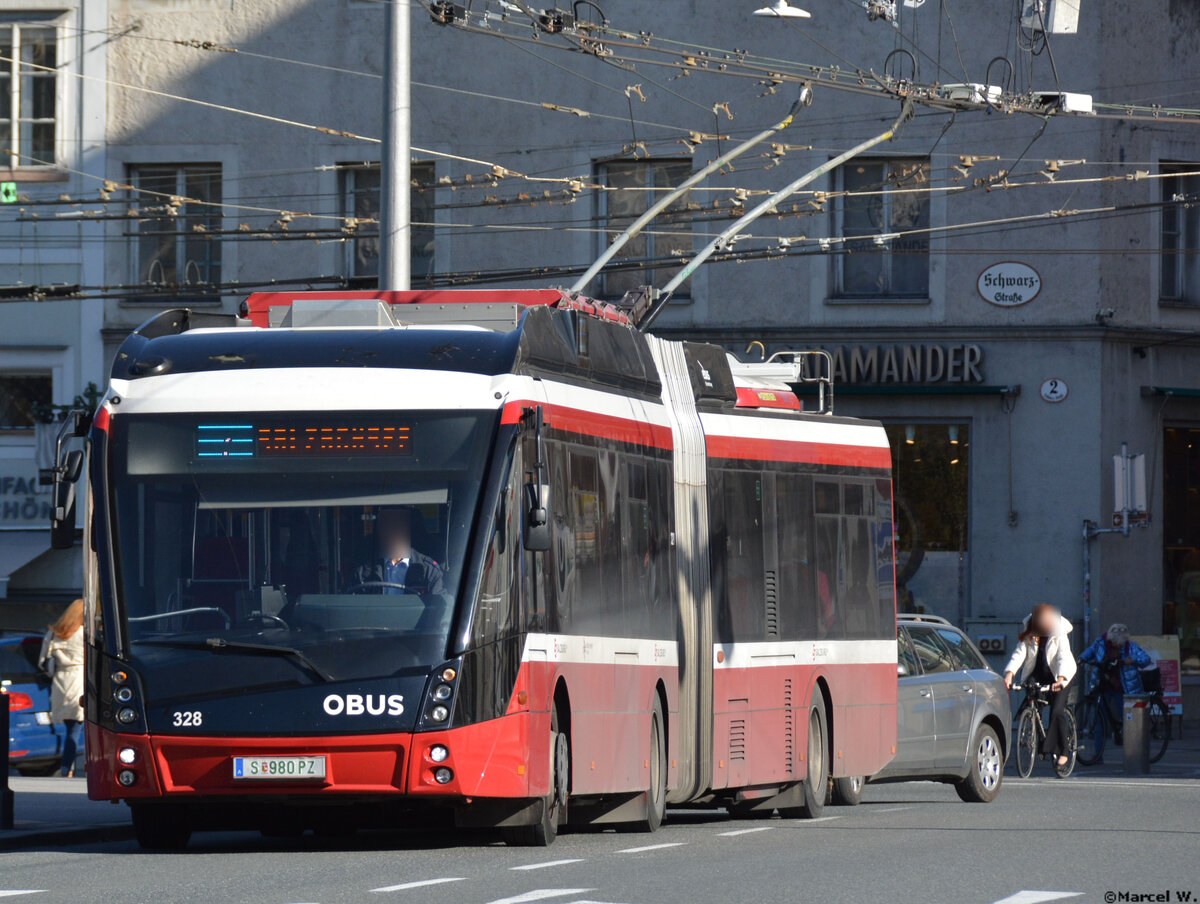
x: 1136, y: 726
x: 6, y: 794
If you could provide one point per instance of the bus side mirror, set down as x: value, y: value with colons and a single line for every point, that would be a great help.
x: 68, y: 468
x: 537, y: 517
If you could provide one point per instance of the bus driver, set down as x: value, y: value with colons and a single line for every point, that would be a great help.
x: 400, y: 568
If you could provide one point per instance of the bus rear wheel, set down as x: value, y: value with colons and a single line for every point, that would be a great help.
x: 161, y: 828
x: 656, y: 794
x: 816, y: 782
x: 543, y: 832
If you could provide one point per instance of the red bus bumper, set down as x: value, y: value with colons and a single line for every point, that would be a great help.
x: 487, y: 760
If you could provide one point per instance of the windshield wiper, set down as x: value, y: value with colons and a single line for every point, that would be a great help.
x: 217, y: 645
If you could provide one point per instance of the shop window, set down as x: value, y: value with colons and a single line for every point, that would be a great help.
x: 637, y: 184
x: 884, y: 196
x: 24, y: 400
x: 29, y: 92
x: 360, y: 199
x: 178, y: 241
x: 930, y: 466
x: 1181, y: 542
x: 1179, y: 281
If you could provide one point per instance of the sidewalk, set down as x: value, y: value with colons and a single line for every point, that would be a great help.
x: 56, y: 811
x: 1181, y: 761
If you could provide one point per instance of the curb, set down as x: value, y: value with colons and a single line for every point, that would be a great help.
x: 14, y: 840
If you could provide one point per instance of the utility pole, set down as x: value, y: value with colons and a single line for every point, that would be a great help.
x: 395, y: 213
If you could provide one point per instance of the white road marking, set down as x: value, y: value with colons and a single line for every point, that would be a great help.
x: 541, y: 894
x: 744, y: 832
x: 548, y: 864
x: 1038, y: 897
x: 404, y: 886
x: 12, y: 893
x: 818, y: 819
x: 889, y: 809
x: 1089, y: 782
x: 652, y: 847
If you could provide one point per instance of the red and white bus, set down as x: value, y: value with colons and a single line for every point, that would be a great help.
x: 495, y: 553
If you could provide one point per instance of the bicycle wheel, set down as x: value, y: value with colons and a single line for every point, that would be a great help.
x: 1091, y: 727
x: 1027, y: 741
x: 1160, y: 728
x: 1072, y: 741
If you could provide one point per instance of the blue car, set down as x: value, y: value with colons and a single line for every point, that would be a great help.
x: 34, y: 742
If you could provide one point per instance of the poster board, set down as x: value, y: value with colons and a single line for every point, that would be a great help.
x: 1164, y: 650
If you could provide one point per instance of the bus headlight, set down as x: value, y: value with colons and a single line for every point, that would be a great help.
x: 443, y: 776
x: 127, y: 755
x: 442, y: 692
x: 124, y: 694
x: 438, y: 753
x: 126, y: 777
x: 439, y: 714
x: 127, y: 715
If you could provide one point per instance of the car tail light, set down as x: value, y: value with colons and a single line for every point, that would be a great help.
x: 17, y: 700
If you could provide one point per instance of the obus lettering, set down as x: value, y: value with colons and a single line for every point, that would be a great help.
x: 364, y: 704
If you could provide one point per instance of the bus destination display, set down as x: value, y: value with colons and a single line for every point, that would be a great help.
x: 301, y: 440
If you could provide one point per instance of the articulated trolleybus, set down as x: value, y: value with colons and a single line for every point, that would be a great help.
x: 496, y: 554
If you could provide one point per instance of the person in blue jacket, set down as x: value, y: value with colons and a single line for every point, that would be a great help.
x: 1121, y: 662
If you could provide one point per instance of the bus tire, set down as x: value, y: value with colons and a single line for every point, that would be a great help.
x: 815, y: 786
x: 656, y: 794
x: 543, y: 832
x: 161, y: 828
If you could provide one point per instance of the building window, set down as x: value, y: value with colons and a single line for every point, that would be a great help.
x: 634, y: 186
x: 1180, y: 272
x: 178, y: 243
x: 25, y: 400
x: 29, y: 92
x: 930, y: 470
x: 883, y: 197
x: 360, y: 193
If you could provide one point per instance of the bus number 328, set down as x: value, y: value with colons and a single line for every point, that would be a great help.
x: 187, y: 719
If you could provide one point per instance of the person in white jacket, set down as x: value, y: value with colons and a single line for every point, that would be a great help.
x: 1043, y: 656
x: 62, y: 659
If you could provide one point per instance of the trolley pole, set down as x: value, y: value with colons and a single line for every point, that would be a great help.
x: 6, y: 794
x: 395, y: 214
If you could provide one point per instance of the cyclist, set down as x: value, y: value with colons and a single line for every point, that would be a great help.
x: 1043, y: 656
x: 1121, y: 662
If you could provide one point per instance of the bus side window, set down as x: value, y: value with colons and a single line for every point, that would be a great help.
x: 794, y: 511
x: 829, y: 560
x: 637, y: 565
x: 586, y: 513
x: 885, y: 571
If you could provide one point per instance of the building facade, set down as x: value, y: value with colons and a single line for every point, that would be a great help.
x: 1010, y: 355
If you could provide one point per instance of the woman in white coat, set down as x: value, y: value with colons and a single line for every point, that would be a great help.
x: 1043, y: 656
x: 62, y: 659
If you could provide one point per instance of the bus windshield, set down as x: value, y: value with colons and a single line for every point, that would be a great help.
x: 330, y: 546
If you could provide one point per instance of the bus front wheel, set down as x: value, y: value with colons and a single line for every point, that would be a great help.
x: 543, y: 832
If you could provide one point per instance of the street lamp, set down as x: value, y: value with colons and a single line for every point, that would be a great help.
x: 783, y: 10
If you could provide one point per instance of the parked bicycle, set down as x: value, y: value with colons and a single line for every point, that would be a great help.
x: 1031, y: 731
x: 1097, y: 719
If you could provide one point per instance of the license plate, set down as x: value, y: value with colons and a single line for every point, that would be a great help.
x: 279, y: 768
x: 42, y: 718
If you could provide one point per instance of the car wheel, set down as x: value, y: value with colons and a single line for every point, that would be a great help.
x: 848, y: 792
x: 986, y: 774
x: 41, y: 771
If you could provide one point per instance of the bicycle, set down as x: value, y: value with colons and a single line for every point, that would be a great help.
x: 1096, y: 722
x: 1031, y: 732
